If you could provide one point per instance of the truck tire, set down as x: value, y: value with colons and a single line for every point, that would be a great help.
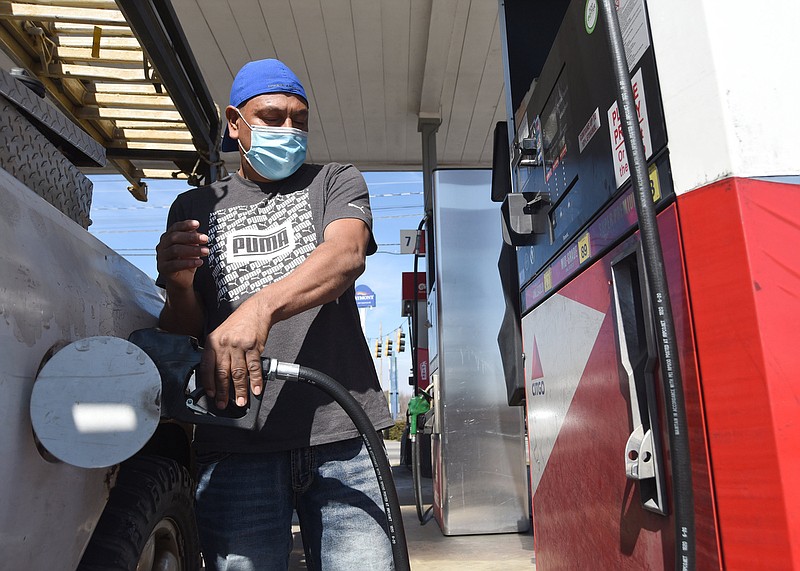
x: 148, y: 522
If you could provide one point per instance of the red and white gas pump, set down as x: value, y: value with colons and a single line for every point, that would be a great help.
x: 716, y: 105
x: 414, y: 291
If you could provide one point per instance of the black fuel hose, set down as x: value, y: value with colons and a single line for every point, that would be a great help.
x: 383, y: 472
x: 423, y: 515
x: 681, y: 468
x: 414, y: 309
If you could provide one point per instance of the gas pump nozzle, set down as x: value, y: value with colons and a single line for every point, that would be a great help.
x: 176, y: 357
x: 417, y: 407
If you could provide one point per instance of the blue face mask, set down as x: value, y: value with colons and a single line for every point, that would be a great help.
x: 275, y: 152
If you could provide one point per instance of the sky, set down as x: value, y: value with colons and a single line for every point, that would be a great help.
x: 133, y: 228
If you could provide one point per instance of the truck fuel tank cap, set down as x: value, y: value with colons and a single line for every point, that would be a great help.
x: 96, y: 402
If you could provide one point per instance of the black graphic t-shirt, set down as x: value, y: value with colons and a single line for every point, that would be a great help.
x: 258, y: 233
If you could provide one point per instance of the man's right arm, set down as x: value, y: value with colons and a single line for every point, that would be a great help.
x: 179, y: 253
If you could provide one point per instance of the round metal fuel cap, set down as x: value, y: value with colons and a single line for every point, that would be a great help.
x: 96, y: 402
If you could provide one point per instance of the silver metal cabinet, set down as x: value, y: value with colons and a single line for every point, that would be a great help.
x: 480, y: 479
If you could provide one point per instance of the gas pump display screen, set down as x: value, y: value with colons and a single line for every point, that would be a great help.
x: 554, y: 127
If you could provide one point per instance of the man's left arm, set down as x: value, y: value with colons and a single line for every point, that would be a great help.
x: 233, y: 350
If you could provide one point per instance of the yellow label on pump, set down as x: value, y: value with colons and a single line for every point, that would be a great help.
x: 548, y: 279
x: 655, y: 187
x: 584, y: 248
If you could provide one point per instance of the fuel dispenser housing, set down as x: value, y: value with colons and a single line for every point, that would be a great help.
x: 477, y: 441
x: 721, y: 179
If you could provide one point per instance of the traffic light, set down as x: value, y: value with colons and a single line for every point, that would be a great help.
x: 401, y: 341
x: 388, y: 347
x: 378, y: 349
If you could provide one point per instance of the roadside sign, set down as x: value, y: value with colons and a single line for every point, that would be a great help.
x: 365, y: 297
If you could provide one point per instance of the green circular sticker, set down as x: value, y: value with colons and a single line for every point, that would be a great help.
x: 590, y: 16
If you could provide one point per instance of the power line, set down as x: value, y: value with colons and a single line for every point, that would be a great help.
x: 137, y: 231
x: 389, y: 194
x: 143, y: 207
x: 159, y: 230
x: 396, y: 207
x: 387, y: 334
x: 166, y: 206
x: 417, y: 182
x: 398, y: 216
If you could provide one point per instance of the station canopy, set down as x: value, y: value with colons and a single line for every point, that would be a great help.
x: 149, y: 79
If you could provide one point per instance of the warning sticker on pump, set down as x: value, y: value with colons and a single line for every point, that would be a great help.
x: 621, y: 167
x: 588, y: 131
x: 633, y: 25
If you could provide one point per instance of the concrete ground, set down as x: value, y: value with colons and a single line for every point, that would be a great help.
x: 430, y: 550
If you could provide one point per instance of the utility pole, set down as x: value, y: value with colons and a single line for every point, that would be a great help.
x: 383, y: 348
x: 393, y: 384
x: 390, y: 353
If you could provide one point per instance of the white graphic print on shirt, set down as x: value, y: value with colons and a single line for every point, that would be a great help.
x: 252, y: 246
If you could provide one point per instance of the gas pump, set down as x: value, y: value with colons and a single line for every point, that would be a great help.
x: 414, y: 291
x: 417, y: 440
x: 477, y: 441
x: 632, y: 136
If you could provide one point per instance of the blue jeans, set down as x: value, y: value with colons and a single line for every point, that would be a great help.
x: 245, y: 504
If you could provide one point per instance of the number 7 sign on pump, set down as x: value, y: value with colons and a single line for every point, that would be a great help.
x: 408, y: 241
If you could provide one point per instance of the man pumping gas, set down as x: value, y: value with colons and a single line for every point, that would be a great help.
x: 264, y: 263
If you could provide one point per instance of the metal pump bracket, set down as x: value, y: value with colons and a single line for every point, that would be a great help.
x: 525, y: 216
x: 636, y: 345
x: 639, y: 455
x: 176, y: 357
x: 530, y: 152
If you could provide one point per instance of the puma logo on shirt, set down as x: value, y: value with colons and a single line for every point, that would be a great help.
x: 361, y: 208
x: 254, y: 245
x: 247, y: 245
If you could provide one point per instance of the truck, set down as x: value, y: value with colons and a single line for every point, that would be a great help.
x: 59, y: 284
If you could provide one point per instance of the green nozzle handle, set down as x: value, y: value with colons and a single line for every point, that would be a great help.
x: 416, y: 406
